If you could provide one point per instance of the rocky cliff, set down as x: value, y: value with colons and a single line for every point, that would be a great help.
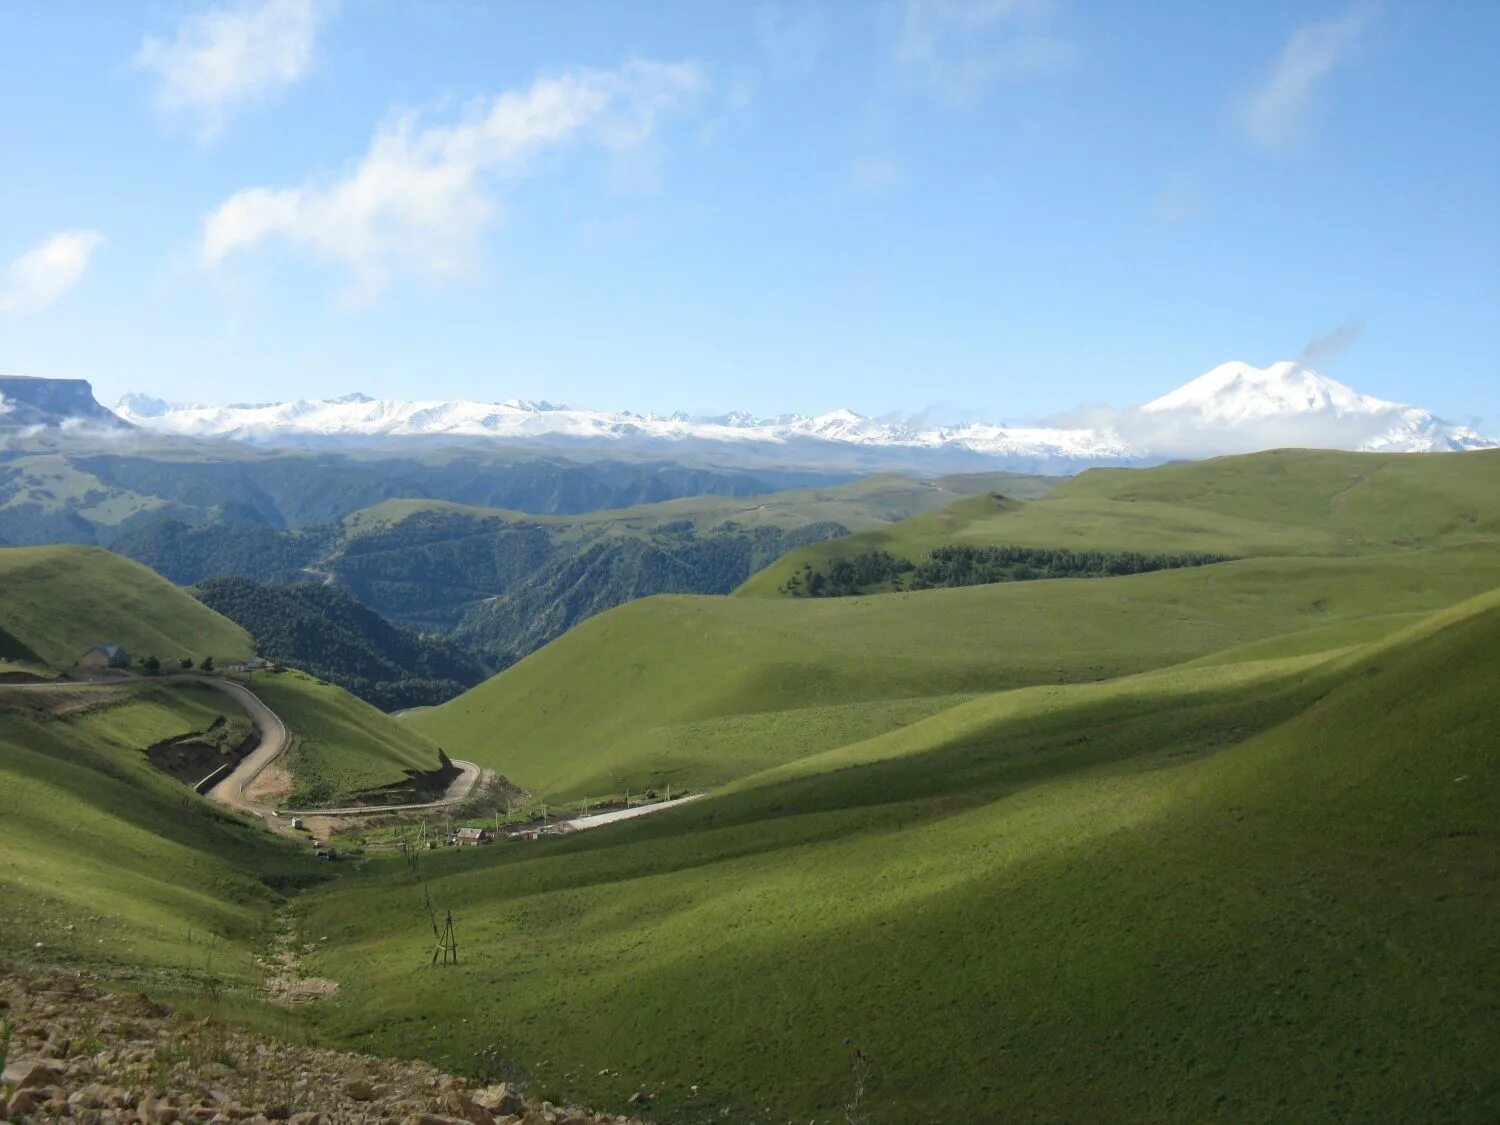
x: 26, y: 401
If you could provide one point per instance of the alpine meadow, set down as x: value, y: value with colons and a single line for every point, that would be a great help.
x: 925, y: 561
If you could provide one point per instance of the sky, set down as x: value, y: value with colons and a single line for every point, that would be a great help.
x: 942, y: 209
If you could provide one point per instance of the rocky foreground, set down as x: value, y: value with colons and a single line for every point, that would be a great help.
x: 73, y: 1051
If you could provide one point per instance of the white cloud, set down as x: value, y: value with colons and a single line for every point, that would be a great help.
x: 44, y: 273
x: 1275, y: 112
x: 231, y: 56
x: 421, y: 196
x: 958, y: 49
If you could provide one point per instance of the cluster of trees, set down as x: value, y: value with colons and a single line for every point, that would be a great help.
x: 326, y: 632
x: 865, y: 573
x: 875, y: 571
x: 152, y: 665
x: 188, y: 554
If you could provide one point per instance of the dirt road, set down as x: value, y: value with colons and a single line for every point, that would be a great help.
x: 578, y: 824
x: 274, y: 738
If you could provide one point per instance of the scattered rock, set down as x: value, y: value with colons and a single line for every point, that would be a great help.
x: 27, y: 1074
x: 502, y: 1099
x: 91, y: 1057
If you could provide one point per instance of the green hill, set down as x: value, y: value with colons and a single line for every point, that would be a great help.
x: 1252, y: 890
x: 695, y: 691
x: 60, y: 601
x: 1286, y: 502
x: 104, y: 863
x: 342, y: 747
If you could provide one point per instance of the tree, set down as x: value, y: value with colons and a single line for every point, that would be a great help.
x: 151, y: 666
x: 186, y: 663
x: 207, y: 665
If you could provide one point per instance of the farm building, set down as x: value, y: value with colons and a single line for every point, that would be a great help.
x: 475, y: 836
x: 101, y: 657
x: 254, y: 664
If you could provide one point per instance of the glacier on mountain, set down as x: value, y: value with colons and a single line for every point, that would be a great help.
x: 1236, y: 407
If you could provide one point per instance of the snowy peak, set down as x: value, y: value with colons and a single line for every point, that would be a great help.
x: 1238, y: 407
x: 1234, y: 408
x: 1238, y: 391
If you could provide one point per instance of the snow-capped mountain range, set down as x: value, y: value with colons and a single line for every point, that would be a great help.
x: 1236, y: 407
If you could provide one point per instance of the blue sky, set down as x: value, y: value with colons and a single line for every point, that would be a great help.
x: 968, y: 208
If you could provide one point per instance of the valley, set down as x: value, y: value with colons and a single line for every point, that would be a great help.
x: 1136, y: 834
x: 926, y: 561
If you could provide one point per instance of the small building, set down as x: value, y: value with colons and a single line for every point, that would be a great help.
x: 475, y: 836
x: 102, y: 657
x: 254, y: 664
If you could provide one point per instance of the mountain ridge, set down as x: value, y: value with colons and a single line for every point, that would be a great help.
x: 1242, y: 402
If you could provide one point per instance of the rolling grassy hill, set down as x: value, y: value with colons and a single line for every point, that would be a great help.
x: 104, y: 863
x: 342, y: 746
x: 864, y: 503
x: 1286, y: 502
x: 1211, y: 843
x: 696, y: 691
x: 59, y: 601
x: 1252, y: 889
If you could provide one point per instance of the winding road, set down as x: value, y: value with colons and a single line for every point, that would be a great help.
x: 273, y: 741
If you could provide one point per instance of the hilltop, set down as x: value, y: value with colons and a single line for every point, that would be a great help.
x: 60, y: 601
x: 1285, y: 502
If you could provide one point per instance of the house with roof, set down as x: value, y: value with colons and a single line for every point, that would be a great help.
x: 103, y: 657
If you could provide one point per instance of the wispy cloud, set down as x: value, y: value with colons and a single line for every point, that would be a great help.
x: 959, y: 49
x: 232, y: 56
x: 1329, y: 346
x: 36, y: 279
x: 793, y: 36
x: 1274, y: 114
x: 421, y: 196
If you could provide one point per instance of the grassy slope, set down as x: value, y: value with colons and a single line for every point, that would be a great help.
x: 58, y: 601
x: 106, y: 860
x: 1288, y: 502
x: 56, y: 485
x: 341, y: 744
x: 696, y: 691
x: 1252, y: 891
x: 868, y: 502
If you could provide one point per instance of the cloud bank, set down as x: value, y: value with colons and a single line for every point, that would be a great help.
x: 422, y: 195
x: 231, y: 56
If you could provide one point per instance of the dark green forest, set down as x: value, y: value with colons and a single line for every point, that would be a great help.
x: 675, y: 559
x: 878, y: 571
x: 326, y: 632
